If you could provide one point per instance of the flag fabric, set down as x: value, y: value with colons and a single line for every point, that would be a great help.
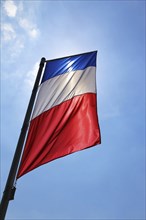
x: 64, y: 118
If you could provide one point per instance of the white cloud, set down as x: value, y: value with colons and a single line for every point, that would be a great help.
x: 30, y: 28
x: 11, y: 42
x: 8, y: 32
x: 17, y: 47
x: 20, y: 29
x: 10, y: 8
x: 33, y: 32
x: 31, y: 75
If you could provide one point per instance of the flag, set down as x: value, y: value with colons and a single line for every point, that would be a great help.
x: 64, y: 118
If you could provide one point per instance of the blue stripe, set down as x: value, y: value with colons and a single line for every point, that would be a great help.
x: 65, y: 65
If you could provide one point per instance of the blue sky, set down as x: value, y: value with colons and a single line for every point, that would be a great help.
x: 103, y: 182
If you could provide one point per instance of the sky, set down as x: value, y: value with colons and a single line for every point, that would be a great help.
x: 103, y: 182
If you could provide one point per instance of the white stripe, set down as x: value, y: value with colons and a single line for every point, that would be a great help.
x: 64, y: 87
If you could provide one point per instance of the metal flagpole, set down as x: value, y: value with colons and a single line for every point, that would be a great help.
x: 10, y: 187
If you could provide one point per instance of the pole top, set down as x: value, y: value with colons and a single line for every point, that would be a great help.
x: 43, y: 60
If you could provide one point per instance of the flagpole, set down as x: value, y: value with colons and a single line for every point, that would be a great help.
x: 9, y: 191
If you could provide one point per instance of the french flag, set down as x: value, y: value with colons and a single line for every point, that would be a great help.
x: 65, y: 118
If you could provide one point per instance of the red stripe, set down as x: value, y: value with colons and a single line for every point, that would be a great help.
x: 62, y: 130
